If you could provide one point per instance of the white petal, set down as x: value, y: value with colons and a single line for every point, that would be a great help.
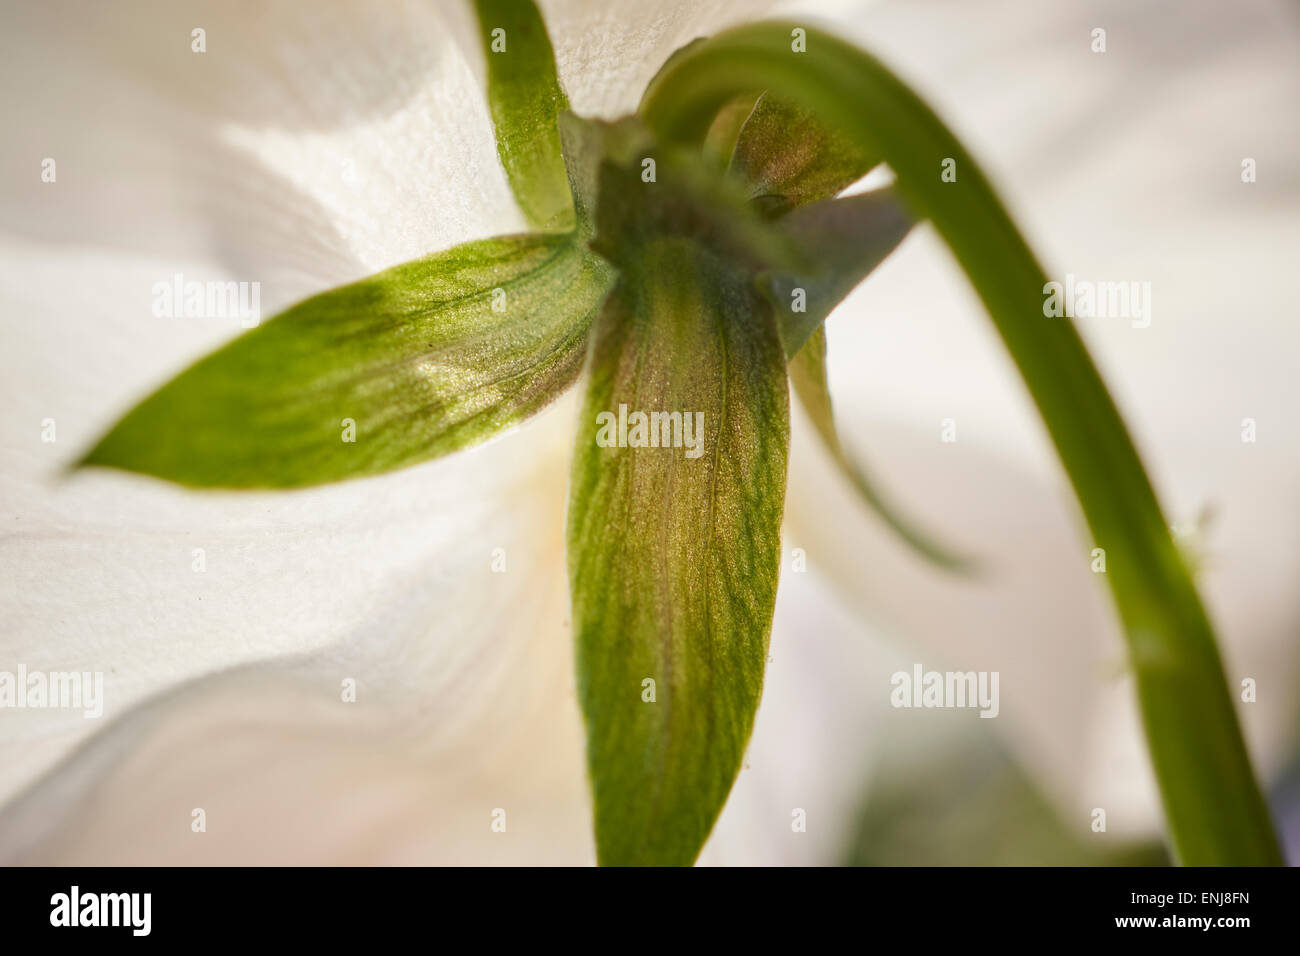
x: 464, y: 691
x: 607, y: 53
x: 227, y: 164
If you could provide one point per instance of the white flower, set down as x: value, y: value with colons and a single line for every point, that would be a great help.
x: 313, y: 144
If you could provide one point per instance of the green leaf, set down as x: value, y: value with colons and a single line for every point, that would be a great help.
x: 793, y: 164
x: 843, y: 240
x: 525, y: 98
x: 808, y: 376
x: 849, y: 237
x: 790, y: 158
x: 1213, y: 805
x: 416, y: 358
x: 674, y: 552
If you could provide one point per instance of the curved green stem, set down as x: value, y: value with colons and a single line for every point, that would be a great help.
x: 1213, y: 806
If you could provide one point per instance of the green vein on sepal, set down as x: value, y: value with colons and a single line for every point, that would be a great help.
x: 674, y: 550
x: 673, y: 560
